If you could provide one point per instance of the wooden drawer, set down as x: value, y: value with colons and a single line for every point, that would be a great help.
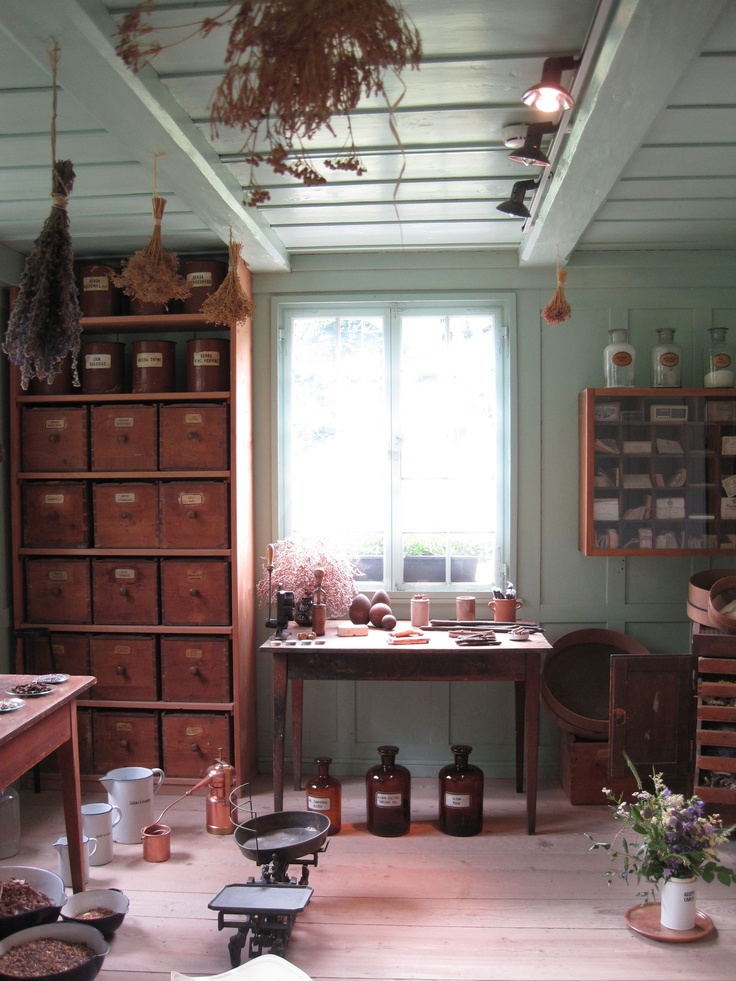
x: 125, y: 667
x: 125, y: 739
x: 194, y: 514
x: 193, y: 437
x: 195, y: 669
x: 195, y: 591
x: 58, y: 591
x: 584, y: 771
x: 125, y: 590
x: 124, y: 437
x: 54, y: 438
x: 71, y: 654
x: 125, y: 515
x: 192, y: 741
x: 55, y: 514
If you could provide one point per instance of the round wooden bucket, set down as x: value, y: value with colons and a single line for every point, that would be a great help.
x: 208, y: 365
x: 698, y: 593
x: 102, y: 367
x: 153, y: 366
x: 721, y: 598
x: 98, y: 297
x: 205, y: 276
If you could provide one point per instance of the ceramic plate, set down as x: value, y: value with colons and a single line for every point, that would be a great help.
x: 10, y: 704
x: 52, y: 679
x: 18, y: 692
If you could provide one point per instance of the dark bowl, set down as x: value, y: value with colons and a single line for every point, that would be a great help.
x: 81, y: 902
x: 72, y: 933
x: 49, y: 883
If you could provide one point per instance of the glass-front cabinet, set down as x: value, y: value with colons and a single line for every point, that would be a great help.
x: 657, y: 471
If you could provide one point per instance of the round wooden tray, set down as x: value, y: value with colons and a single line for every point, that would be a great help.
x: 645, y: 920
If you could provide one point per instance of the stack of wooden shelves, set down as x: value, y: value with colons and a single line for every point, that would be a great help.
x: 715, y: 736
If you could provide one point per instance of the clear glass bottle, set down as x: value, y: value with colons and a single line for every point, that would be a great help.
x: 718, y: 365
x: 388, y: 796
x: 461, y: 795
x: 666, y: 360
x: 9, y: 823
x: 619, y: 357
x: 324, y: 794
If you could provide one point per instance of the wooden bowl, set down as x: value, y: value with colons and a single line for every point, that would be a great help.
x: 722, y: 593
x: 698, y: 593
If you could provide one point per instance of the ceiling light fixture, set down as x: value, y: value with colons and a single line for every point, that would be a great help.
x: 515, y: 205
x: 548, y: 95
x: 530, y: 154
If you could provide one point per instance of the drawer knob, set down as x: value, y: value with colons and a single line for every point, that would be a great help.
x: 122, y: 438
x: 193, y: 592
x: 53, y: 515
x: 125, y: 514
x: 192, y: 435
x: 124, y: 743
x: 123, y: 590
x: 55, y: 591
x: 120, y: 669
x: 191, y: 514
x: 194, y: 748
x: 53, y: 437
x: 194, y: 670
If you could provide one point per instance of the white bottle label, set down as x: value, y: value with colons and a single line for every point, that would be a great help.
x: 388, y: 800
x: 457, y: 800
x: 318, y: 803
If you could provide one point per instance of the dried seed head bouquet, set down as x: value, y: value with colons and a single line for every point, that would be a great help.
x: 229, y: 304
x: 295, y: 560
x: 674, y: 838
x: 291, y: 66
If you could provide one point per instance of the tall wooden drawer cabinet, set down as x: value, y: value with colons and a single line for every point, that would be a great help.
x: 125, y: 546
x: 715, y: 735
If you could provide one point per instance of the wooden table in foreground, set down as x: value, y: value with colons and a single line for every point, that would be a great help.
x: 27, y: 736
x: 371, y: 658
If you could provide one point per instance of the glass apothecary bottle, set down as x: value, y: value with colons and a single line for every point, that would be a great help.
x: 718, y: 364
x: 9, y: 823
x: 619, y: 357
x: 388, y: 796
x: 666, y: 360
x: 324, y: 794
x: 461, y: 795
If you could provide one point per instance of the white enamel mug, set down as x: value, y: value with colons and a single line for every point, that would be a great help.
x: 62, y: 846
x: 98, y: 820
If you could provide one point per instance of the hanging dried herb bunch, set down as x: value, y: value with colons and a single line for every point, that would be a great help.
x: 558, y: 310
x: 230, y: 304
x: 152, y: 275
x: 292, y: 65
x: 45, y: 324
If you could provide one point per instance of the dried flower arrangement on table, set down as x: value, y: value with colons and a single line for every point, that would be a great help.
x: 295, y: 560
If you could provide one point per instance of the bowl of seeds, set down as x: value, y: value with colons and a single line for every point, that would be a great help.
x: 53, y: 952
x: 103, y: 909
x: 28, y: 897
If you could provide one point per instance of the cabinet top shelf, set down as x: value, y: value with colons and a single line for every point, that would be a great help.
x: 160, y: 322
x: 662, y: 393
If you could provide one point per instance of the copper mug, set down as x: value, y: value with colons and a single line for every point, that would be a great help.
x: 504, y: 610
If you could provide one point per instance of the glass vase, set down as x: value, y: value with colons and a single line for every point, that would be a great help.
x: 718, y: 360
x: 619, y: 358
x: 666, y: 360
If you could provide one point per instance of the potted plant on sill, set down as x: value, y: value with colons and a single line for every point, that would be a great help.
x: 424, y: 559
x: 465, y: 556
x: 370, y: 558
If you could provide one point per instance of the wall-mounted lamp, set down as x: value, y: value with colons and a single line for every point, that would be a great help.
x: 530, y: 154
x: 515, y: 205
x: 548, y: 95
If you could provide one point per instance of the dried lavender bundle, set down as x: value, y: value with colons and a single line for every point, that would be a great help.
x: 45, y: 325
x: 230, y: 304
x: 558, y: 310
x: 152, y: 275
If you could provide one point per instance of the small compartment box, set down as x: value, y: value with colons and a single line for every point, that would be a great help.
x: 584, y: 772
x: 125, y: 590
x: 125, y: 515
x: 192, y: 740
x: 54, y: 438
x: 58, y: 591
x: 55, y: 514
x: 194, y: 514
x: 71, y: 655
x: 125, y: 739
x: 195, y: 592
x: 195, y: 669
x: 193, y: 437
x: 125, y: 667
x: 124, y: 437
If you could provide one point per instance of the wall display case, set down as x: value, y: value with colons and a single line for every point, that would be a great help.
x: 657, y: 471
x: 132, y: 545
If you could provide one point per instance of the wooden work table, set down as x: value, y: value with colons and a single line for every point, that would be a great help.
x: 371, y: 658
x: 39, y: 727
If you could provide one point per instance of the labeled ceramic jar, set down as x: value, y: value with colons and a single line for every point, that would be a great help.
x: 718, y: 365
x: 666, y: 360
x: 619, y: 357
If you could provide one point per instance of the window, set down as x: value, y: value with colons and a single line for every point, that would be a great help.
x: 394, y: 436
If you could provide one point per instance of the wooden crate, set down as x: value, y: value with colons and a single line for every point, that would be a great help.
x: 125, y: 667
x: 584, y: 771
x: 54, y: 438
x: 125, y: 591
x: 125, y: 738
x: 194, y: 514
x: 55, y: 514
x: 192, y: 741
x: 125, y: 515
x: 193, y: 437
x: 195, y: 592
x: 715, y: 737
x: 124, y: 437
x: 195, y: 669
x: 58, y: 590
x: 71, y: 655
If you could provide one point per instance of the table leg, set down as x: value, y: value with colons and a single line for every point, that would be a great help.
x: 533, y: 691
x: 71, y: 796
x: 280, y: 683
x: 297, y: 728
x: 519, y: 721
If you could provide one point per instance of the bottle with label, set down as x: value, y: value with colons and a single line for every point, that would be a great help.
x: 718, y: 365
x: 388, y: 796
x: 461, y: 796
x: 619, y: 357
x: 666, y: 360
x: 324, y: 794
x: 9, y: 823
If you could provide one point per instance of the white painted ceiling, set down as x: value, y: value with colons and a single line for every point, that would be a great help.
x: 645, y: 160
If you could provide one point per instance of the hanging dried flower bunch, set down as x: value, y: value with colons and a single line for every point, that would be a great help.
x: 558, y: 310
x: 230, y: 304
x: 152, y: 275
x: 292, y: 65
x: 45, y: 325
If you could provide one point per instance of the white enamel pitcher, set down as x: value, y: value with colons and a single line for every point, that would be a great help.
x: 131, y: 788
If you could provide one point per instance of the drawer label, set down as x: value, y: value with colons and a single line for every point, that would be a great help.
x: 124, y: 726
x: 127, y: 574
x: 125, y: 497
x: 94, y: 284
x: 123, y: 422
x: 457, y: 800
x: 122, y: 650
x: 58, y: 575
x: 149, y: 360
x: 54, y: 498
x: 206, y: 359
x: 194, y: 653
x: 194, y: 730
x: 195, y: 574
x: 193, y: 418
x: 199, y: 279
x: 191, y: 500
x: 93, y: 362
x: 388, y: 800
x: 55, y: 423
x: 319, y: 803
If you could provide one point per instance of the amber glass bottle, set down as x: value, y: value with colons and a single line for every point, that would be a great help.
x: 324, y: 794
x: 461, y: 795
x: 388, y: 796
